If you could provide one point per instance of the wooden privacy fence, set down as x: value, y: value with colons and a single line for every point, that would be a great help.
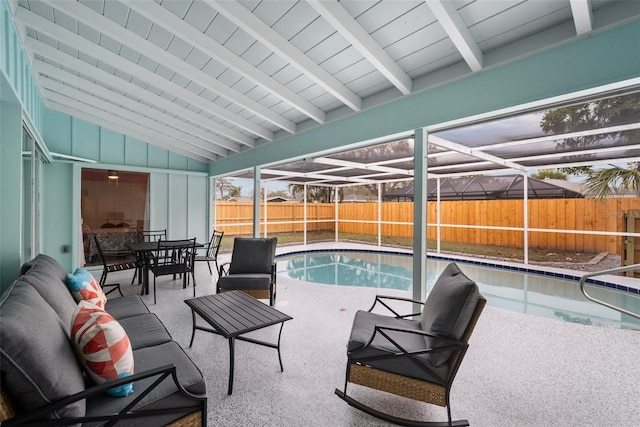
x: 471, y: 221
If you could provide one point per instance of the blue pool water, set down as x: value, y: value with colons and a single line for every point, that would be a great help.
x: 524, y: 292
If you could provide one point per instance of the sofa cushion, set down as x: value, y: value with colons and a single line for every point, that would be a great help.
x: 164, y: 396
x: 46, y: 275
x: 84, y: 286
x: 449, y: 308
x: 126, y: 306
x: 145, y: 330
x: 103, y: 346
x: 37, y: 359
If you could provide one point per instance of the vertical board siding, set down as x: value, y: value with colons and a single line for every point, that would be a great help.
x: 477, y: 217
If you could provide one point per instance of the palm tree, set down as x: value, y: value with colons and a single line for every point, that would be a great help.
x: 596, y: 114
x: 607, y: 182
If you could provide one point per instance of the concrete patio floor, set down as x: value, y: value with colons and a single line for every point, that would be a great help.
x: 520, y: 370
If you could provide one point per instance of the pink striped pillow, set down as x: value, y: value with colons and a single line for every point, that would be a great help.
x: 103, y: 346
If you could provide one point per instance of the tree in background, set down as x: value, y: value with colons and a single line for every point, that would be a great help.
x: 315, y: 193
x: 550, y: 174
x: 225, y: 190
x: 601, y: 113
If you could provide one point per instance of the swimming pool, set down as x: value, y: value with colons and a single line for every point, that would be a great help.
x: 522, y: 291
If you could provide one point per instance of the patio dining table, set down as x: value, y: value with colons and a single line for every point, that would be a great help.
x: 143, y: 252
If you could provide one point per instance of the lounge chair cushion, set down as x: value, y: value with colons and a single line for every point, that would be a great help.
x: 37, y: 360
x: 448, y: 308
x: 244, y: 257
x: 363, y: 329
x: 245, y: 281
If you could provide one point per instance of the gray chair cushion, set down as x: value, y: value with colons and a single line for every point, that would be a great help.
x: 145, y: 330
x: 47, y: 276
x: 362, y: 330
x: 37, y: 359
x: 252, y: 255
x: 449, y: 308
x: 126, y: 306
x: 245, y: 281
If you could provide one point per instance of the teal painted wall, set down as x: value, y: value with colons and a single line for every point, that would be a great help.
x: 170, y: 177
x: 10, y: 174
x: 14, y: 66
x: 60, y: 133
x: 19, y: 99
x: 599, y: 59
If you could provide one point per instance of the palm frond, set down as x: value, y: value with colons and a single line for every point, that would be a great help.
x: 607, y: 182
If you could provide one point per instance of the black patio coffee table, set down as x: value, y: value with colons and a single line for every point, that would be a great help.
x: 232, y: 314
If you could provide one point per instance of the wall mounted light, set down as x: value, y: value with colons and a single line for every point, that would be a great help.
x: 113, y: 175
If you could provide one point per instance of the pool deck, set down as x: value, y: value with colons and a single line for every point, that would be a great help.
x: 520, y: 370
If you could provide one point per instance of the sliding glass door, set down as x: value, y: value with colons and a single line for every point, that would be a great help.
x: 31, y: 196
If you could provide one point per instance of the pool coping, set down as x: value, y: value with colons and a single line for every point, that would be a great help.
x: 620, y: 283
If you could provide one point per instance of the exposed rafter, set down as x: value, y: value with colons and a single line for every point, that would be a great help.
x: 248, y: 22
x: 446, y: 13
x: 117, y: 124
x: 33, y: 46
x: 159, y: 15
x: 209, y: 142
x: 582, y: 16
x: 106, y: 56
x: 136, y: 43
x: 54, y: 88
x: 349, y: 28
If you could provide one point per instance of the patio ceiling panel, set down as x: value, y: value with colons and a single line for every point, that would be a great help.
x: 239, y: 75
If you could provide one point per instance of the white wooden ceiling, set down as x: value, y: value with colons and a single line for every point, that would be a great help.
x: 210, y: 78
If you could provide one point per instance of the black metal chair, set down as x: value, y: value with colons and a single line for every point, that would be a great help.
x: 177, y: 258
x: 152, y: 235
x: 124, y: 261
x: 252, y: 268
x: 417, y: 359
x: 211, y: 250
x: 148, y: 236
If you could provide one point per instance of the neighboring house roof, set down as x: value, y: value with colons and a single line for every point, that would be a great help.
x: 489, y: 188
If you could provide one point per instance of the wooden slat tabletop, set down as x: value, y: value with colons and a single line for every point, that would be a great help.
x: 235, y: 313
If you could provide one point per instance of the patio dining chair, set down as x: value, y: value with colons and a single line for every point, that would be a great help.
x: 211, y: 250
x: 124, y: 260
x: 417, y: 359
x: 177, y: 260
x: 252, y: 268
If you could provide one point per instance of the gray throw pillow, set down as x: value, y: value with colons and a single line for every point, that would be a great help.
x: 36, y: 357
x: 449, y: 308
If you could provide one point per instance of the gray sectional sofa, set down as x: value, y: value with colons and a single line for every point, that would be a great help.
x: 43, y: 382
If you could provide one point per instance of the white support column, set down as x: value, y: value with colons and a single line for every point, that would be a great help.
x: 420, y: 216
x: 438, y: 216
x: 213, y: 200
x: 379, y: 214
x: 335, y: 200
x: 304, y: 225
x: 256, y: 201
x: 525, y: 221
x: 266, y: 217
